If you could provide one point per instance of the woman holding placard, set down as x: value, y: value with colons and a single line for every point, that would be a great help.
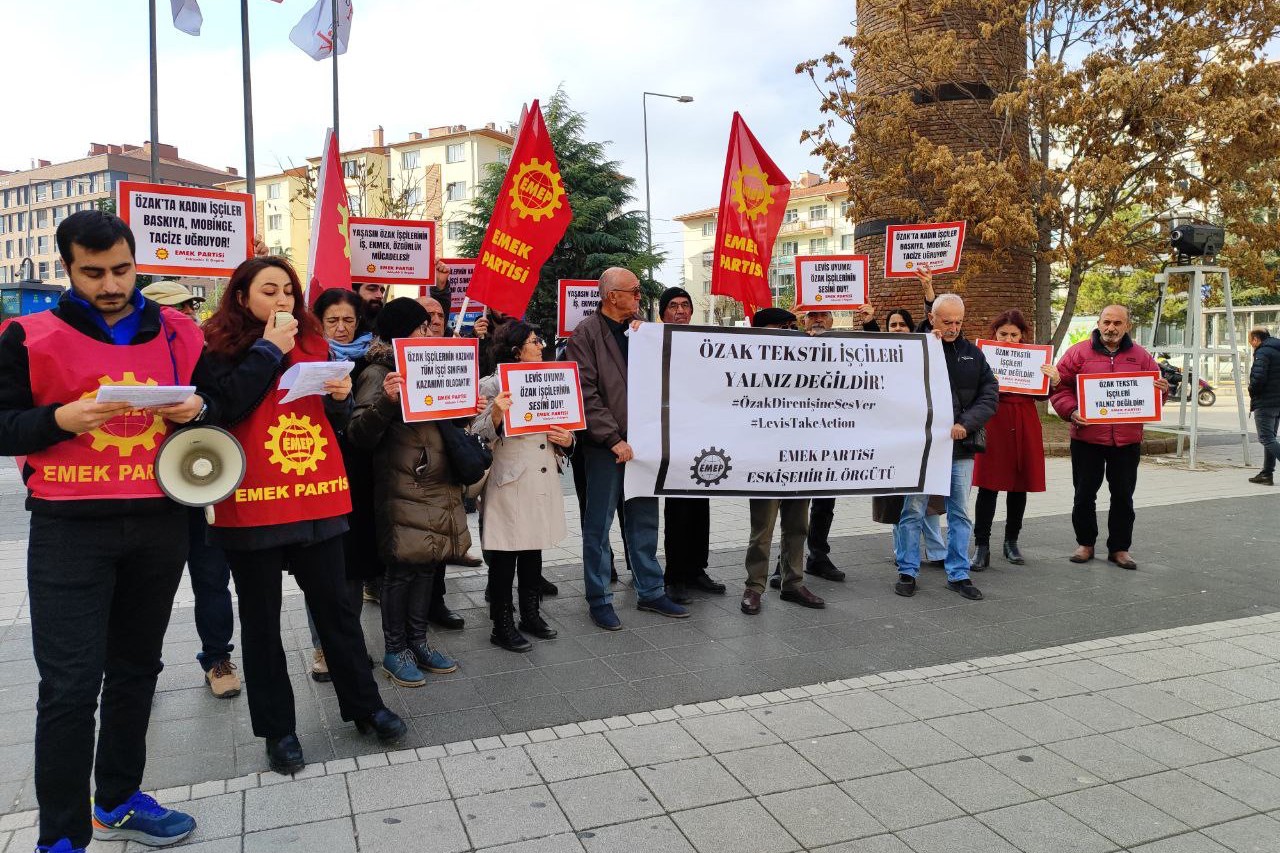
x: 522, y: 507
x: 1014, y: 458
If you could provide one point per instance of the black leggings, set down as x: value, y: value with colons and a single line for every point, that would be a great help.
x: 503, y: 569
x: 985, y: 511
x: 406, y: 603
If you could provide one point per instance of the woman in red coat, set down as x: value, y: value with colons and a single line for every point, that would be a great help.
x: 1014, y: 459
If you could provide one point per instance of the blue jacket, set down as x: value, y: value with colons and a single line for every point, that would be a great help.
x: 1264, y: 376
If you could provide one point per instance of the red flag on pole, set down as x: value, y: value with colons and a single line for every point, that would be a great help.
x: 530, y: 217
x: 329, y: 262
x: 752, y: 203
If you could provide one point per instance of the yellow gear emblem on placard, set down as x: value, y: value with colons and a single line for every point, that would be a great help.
x: 131, y: 430
x: 528, y: 416
x: 537, y: 190
x: 429, y: 400
x: 1102, y: 412
x: 817, y: 297
x: 296, y: 444
x: 751, y: 192
x: 371, y: 269
x: 162, y: 253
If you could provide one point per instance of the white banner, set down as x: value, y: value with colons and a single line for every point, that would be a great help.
x: 771, y: 413
x: 1119, y: 398
x: 1017, y: 366
x: 831, y: 282
x: 187, y: 230
x: 392, y: 251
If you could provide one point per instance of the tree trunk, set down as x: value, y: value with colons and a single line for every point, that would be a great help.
x: 1074, y: 276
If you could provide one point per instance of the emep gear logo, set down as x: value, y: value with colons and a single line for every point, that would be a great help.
x: 711, y: 467
x: 162, y: 253
x: 296, y: 444
x: 537, y: 190
x: 751, y: 192
x: 131, y: 430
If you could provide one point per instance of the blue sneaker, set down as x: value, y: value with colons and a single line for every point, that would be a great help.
x: 432, y: 659
x: 663, y: 606
x: 604, y: 617
x: 402, y: 668
x: 63, y: 846
x: 140, y: 819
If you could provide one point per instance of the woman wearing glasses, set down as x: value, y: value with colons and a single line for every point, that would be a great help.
x: 522, y: 507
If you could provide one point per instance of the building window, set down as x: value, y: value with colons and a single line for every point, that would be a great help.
x: 42, y: 270
x: 789, y: 249
x: 42, y: 245
x: 22, y: 222
x: 707, y: 257
x: 845, y: 207
x: 42, y: 218
x: 42, y: 192
x: 59, y: 189
x: 4, y: 198
x: 846, y: 242
x: 58, y: 270
x: 504, y: 155
x: 790, y: 216
x: 273, y: 191
x: 709, y: 229
x: 351, y: 169
x: 456, y: 153
x: 453, y: 230
x: 353, y: 204
x: 8, y: 249
x: 457, y: 191
x: 98, y: 182
x: 59, y: 214
x: 817, y: 246
x: 818, y: 211
x: 275, y: 222
x: 413, y: 197
x: 409, y: 160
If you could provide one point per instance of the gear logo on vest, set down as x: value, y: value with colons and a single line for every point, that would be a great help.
x: 131, y: 430
x: 296, y: 444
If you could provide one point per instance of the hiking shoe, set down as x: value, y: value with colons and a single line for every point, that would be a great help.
x: 604, y: 616
x: 402, y: 668
x: 62, y: 846
x: 432, y: 659
x: 222, y: 680
x: 320, y: 667
x: 141, y: 819
x: 663, y: 606
x: 1262, y: 480
x: 966, y: 589
x: 906, y: 585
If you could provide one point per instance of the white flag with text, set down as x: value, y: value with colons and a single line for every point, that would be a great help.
x: 315, y: 32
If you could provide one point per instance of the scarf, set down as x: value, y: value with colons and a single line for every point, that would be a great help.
x: 352, y: 351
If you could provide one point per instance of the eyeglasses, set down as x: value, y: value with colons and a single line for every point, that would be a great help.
x: 536, y: 341
x: 630, y: 291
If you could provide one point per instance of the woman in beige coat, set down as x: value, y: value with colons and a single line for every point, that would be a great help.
x: 522, y: 506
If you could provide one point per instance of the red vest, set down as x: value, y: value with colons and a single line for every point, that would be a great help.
x: 294, y: 469
x: 116, y: 461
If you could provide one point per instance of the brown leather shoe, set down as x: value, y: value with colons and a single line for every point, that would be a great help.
x: 1082, y: 554
x: 803, y: 597
x: 1122, y: 559
x: 466, y: 560
x: 750, y: 602
x: 222, y: 680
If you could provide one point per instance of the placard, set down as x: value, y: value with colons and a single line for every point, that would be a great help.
x: 392, y: 251
x: 831, y: 282
x: 937, y: 244
x: 1119, y: 398
x: 579, y: 298
x: 543, y: 394
x: 1017, y: 366
x: 460, y: 272
x: 769, y: 413
x: 441, y: 377
x: 187, y: 230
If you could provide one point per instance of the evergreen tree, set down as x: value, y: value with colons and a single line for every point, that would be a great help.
x: 601, y: 234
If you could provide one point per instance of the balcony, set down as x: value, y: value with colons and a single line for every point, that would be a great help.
x: 817, y: 227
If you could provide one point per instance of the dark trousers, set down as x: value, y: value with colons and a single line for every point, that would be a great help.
x: 822, y: 512
x: 406, y: 601
x: 504, y: 566
x: 1090, y: 463
x: 578, y: 463
x: 100, y: 592
x: 438, y: 589
x: 985, y: 511
x: 320, y: 572
x: 686, y: 538
x: 211, y: 583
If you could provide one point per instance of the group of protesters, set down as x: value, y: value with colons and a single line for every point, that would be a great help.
x: 356, y: 503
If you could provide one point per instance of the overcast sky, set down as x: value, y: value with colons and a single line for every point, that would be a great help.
x: 413, y: 64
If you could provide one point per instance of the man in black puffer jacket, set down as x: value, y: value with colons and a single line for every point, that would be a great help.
x: 1264, y: 399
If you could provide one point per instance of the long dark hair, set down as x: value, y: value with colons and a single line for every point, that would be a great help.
x: 902, y: 312
x: 1012, y: 317
x: 232, y: 329
x: 509, y: 340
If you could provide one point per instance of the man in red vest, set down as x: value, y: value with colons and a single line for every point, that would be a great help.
x: 107, y: 547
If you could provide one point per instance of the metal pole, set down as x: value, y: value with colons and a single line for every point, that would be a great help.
x: 248, y: 98
x: 333, y: 14
x: 1190, y: 366
x: 1236, y: 367
x: 648, y: 215
x: 155, y: 100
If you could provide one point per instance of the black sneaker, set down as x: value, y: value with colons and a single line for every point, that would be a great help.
x: 1262, y: 480
x: 824, y: 569
x: 966, y: 589
x: 775, y: 580
x: 906, y: 585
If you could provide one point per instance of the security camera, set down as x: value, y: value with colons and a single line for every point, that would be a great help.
x: 1197, y: 239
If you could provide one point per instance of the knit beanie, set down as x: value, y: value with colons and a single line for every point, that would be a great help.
x: 667, y: 295
x: 399, y: 318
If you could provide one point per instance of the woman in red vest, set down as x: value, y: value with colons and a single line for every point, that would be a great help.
x: 289, y: 513
x: 1014, y: 458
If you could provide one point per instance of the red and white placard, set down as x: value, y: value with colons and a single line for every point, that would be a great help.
x: 441, y: 377
x: 543, y: 394
x: 579, y: 298
x: 460, y: 271
x: 1119, y: 398
x: 392, y: 251
x: 831, y: 282
x: 909, y: 247
x: 187, y: 230
x: 1017, y: 366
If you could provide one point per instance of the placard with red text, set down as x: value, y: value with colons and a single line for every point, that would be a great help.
x: 831, y: 282
x: 441, y: 377
x: 935, y: 245
x: 579, y: 298
x: 1119, y: 398
x: 543, y: 394
x: 392, y: 251
x: 1017, y: 366
x: 187, y: 230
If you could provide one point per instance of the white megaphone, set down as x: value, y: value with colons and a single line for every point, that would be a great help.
x: 200, y: 466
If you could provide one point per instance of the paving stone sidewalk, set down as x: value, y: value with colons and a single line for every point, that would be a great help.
x: 1161, y: 742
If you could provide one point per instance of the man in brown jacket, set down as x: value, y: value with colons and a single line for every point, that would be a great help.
x: 599, y: 346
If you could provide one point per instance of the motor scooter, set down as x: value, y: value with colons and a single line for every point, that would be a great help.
x: 1205, y: 395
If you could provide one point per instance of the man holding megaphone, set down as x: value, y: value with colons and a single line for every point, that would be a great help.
x: 107, y: 547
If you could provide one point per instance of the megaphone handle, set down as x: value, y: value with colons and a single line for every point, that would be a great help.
x: 208, y: 514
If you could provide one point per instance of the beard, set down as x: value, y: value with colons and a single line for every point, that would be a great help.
x: 372, y: 308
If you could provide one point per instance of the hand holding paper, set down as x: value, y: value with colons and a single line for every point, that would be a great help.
x: 311, y: 377
x: 145, y: 396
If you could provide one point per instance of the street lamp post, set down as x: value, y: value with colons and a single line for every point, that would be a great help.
x: 644, y: 107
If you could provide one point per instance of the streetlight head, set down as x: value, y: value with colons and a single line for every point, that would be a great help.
x: 685, y: 99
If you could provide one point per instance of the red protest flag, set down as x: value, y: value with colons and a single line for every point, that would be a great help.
x: 529, y: 218
x: 329, y: 262
x: 753, y: 200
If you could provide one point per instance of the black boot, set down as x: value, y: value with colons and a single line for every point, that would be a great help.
x: 439, y: 614
x: 504, y: 629
x: 981, y: 559
x: 531, y: 621
x: 546, y: 588
x: 1011, y: 552
x: 285, y: 755
x: 384, y: 723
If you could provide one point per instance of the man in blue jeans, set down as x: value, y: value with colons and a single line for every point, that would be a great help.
x: 1264, y: 399
x: 215, y: 619
x: 599, y: 346
x: 974, y: 396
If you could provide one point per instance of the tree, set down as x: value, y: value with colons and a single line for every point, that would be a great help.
x: 373, y: 194
x: 1122, y: 117
x: 601, y: 234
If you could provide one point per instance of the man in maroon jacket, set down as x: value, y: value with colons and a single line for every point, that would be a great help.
x: 1103, y: 450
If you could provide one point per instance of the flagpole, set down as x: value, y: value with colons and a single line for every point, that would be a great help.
x: 248, y: 97
x: 155, y: 100
x: 333, y: 18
